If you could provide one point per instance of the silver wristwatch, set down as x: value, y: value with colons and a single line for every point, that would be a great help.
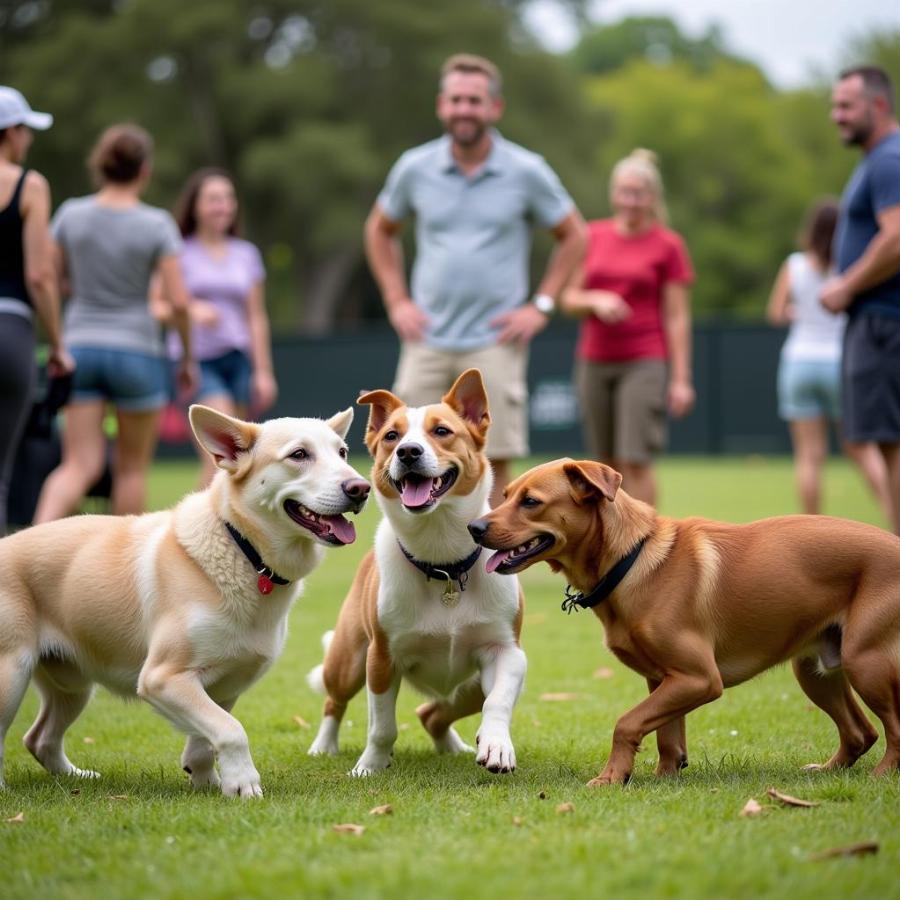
x: 545, y: 304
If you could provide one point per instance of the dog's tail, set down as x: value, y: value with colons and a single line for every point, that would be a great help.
x: 315, y: 678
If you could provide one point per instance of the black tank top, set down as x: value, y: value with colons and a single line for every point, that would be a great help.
x: 12, y: 259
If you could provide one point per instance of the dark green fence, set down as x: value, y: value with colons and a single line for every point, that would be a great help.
x: 734, y: 368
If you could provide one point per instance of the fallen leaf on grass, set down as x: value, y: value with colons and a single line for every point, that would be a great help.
x: 603, y: 672
x: 117, y: 796
x: 348, y: 828
x: 751, y: 808
x: 517, y: 821
x: 542, y: 795
x: 564, y: 808
x: 89, y: 740
x: 17, y: 819
x: 75, y: 792
x: 864, y: 848
x: 560, y: 696
x: 301, y: 721
x: 385, y: 810
x: 788, y: 800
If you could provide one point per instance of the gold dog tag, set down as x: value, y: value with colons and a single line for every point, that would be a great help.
x: 450, y: 597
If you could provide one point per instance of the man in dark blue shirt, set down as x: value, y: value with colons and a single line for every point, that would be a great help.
x: 867, y: 253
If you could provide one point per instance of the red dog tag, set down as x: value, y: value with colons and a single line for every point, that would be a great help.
x: 265, y: 584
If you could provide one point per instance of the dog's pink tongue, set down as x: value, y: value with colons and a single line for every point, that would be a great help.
x: 341, y: 528
x: 495, y: 560
x: 415, y: 493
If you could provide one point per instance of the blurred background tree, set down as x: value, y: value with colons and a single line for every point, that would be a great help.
x: 309, y: 102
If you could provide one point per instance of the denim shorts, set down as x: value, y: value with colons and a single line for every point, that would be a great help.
x: 809, y: 389
x: 227, y: 375
x: 130, y: 380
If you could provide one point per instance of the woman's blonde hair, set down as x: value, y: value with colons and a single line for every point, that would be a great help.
x: 645, y: 164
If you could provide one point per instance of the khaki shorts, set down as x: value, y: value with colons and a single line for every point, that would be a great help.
x: 623, y: 408
x: 424, y: 375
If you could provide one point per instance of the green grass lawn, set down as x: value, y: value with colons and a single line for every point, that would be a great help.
x: 456, y: 830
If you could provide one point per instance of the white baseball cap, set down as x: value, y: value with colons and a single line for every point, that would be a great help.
x: 14, y: 110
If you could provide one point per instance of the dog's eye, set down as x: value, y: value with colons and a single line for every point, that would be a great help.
x: 343, y: 452
x: 299, y: 453
x: 442, y: 431
x: 530, y: 502
x: 391, y: 436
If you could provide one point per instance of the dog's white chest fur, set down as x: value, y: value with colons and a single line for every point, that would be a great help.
x: 434, y: 645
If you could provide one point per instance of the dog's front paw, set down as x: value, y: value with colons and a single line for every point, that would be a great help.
x: 495, y: 750
x: 370, y: 762
x: 75, y: 772
x: 605, y: 779
x: 243, y: 783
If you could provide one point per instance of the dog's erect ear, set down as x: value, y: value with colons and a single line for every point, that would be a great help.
x: 383, y: 403
x: 223, y: 437
x: 469, y: 398
x: 341, y: 422
x: 589, y: 481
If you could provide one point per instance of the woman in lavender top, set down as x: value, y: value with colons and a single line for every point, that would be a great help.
x: 226, y: 278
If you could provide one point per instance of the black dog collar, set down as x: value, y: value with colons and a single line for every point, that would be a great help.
x: 458, y: 571
x: 267, y: 578
x: 608, y: 583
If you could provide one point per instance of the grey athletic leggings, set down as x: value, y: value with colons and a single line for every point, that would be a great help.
x: 17, y: 376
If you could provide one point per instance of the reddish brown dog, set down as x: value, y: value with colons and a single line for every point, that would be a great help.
x: 706, y: 605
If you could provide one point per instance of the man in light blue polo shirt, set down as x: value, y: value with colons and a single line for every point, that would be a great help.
x: 476, y: 198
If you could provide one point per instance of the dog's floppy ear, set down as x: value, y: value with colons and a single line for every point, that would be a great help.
x: 223, y: 437
x: 589, y: 480
x: 341, y: 422
x: 469, y: 398
x: 383, y: 403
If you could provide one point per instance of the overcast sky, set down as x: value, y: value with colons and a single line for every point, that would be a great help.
x: 789, y: 39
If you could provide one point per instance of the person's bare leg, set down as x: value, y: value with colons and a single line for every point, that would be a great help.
x: 135, y: 445
x: 83, y: 461
x: 891, y: 454
x: 871, y: 463
x: 639, y: 480
x: 502, y: 477
x: 810, y: 440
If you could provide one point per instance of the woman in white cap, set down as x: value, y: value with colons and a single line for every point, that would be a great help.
x: 28, y: 285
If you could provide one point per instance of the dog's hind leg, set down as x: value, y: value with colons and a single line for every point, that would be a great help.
x: 343, y: 675
x: 15, y: 673
x: 437, y: 717
x: 671, y: 741
x: 876, y: 677
x: 64, y: 694
x: 831, y: 692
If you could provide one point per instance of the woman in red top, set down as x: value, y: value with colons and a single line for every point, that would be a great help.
x: 633, y: 359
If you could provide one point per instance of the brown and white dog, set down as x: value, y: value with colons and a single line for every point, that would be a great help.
x: 169, y: 605
x: 696, y: 606
x: 422, y: 607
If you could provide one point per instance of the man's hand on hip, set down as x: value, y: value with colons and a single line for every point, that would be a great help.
x: 408, y: 320
x: 835, y: 296
x: 520, y: 325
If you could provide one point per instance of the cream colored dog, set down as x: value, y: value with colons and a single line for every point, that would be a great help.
x: 422, y: 606
x: 169, y: 605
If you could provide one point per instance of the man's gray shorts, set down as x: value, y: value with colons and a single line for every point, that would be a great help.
x: 871, y: 379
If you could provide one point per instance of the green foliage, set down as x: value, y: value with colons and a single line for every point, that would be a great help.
x: 139, y: 831
x: 655, y: 39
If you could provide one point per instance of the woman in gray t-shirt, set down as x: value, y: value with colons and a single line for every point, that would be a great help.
x: 109, y: 246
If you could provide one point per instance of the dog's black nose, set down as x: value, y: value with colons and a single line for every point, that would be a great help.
x: 478, y: 529
x: 409, y: 453
x: 356, y: 489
